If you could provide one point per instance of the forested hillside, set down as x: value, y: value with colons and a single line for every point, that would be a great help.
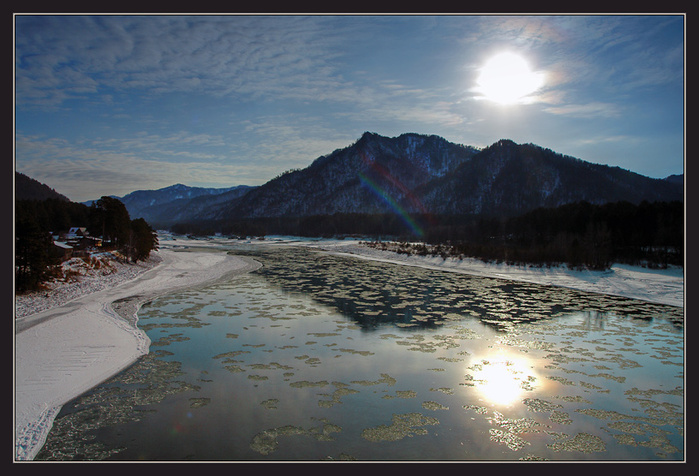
x: 581, y: 235
x: 26, y: 188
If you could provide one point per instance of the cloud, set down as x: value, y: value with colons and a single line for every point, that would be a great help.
x: 621, y: 139
x: 220, y: 55
x: 589, y: 111
x: 90, y: 169
x: 589, y: 58
x: 298, y: 140
x: 316, y: 59
x: 85, y: 168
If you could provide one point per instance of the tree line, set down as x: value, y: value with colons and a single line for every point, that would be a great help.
x: 581, y: 235
x: 324, y: 226
x: 106, y: 218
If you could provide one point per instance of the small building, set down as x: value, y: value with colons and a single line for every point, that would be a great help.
x: 79, y: 238
x: 76, y: 232
x: 62, y: 250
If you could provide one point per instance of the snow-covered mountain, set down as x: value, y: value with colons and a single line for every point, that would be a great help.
x: 373, y: 175
x: 423, y: 174
x: 507, y: 179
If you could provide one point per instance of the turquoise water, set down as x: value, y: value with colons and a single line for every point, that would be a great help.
x: 318, y: 357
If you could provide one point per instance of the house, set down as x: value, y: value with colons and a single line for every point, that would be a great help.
x: 79, y: 238
x: 76, y: 232
x: 62, y: 250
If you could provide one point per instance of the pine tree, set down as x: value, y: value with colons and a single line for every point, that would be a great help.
x: 143, y: 240
x: 109, y: 217
x: 32, y: 256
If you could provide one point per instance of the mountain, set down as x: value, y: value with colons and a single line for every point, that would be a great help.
x: 187, y: 208
x: 176, y: 203
x: 420, y: 174
x: 26, y: 188
x: 507, y: 179
x: 675, y: 178
x: 374, y: 175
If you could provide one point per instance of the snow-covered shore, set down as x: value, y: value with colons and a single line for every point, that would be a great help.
x: 78, y: 339
x: 81, y: 277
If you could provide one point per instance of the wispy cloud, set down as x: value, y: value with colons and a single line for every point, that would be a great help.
x: 589, y: 111
x: 609, y: 139
x: 220, y: 55
x: 94, y: 168
x: 587, y: 58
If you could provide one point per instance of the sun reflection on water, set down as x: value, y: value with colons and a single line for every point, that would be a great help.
x: 502, y: 379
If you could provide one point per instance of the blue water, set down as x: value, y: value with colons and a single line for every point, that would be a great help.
x: 318, y: 357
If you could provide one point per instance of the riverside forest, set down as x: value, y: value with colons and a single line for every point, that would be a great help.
x: 107, y: 218
x: 580, y: 235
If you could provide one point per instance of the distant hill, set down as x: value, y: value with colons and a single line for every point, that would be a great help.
x: 27, y: 188
x: 165, y: 206
x: 675, y: 178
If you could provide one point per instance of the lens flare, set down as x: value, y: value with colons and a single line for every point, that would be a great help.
x: 383, y: 195
x: 381, y: 192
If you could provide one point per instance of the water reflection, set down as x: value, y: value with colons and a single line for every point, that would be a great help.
x: 503, y: 378
x: 594, y: 320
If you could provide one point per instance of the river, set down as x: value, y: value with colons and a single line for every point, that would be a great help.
x: 320, y: 357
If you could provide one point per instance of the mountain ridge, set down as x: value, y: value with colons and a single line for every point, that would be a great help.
x: 509, y: 179
x: 178, y: 202
x: 421, y: 174
x: 410, y: 174
x: 341, y: 182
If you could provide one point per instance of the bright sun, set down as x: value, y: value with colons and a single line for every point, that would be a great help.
x: 507, y: 79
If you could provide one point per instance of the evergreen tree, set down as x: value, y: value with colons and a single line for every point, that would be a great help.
x: 143, y: 240
x: 32, y: 254
x: 109, y: 217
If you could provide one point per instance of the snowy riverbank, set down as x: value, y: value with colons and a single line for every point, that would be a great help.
x: 78, y: 278
x: 661, y: 286
x: 78, y: 340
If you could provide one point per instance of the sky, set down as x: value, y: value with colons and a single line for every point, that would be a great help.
x: 106, y: 104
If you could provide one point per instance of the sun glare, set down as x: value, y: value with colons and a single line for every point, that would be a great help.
x: 507, y: 79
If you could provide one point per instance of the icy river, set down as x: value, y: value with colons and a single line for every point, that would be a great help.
x: 321, y: 357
